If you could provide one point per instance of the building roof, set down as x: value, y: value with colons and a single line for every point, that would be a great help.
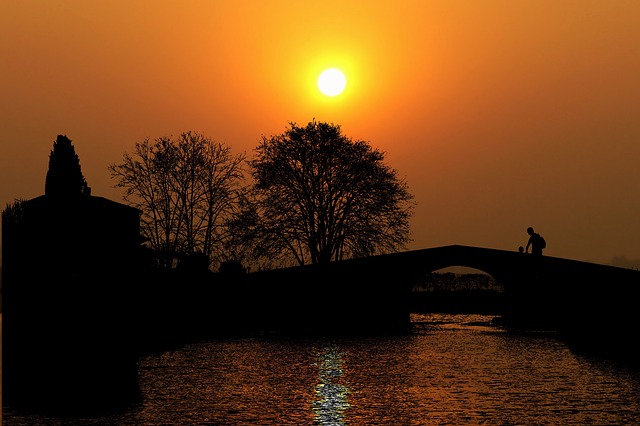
x: 90, y: 201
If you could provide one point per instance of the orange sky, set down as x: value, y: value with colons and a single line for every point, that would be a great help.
x: 500, y: 114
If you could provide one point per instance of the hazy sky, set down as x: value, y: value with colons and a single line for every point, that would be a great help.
x: 499, y: 114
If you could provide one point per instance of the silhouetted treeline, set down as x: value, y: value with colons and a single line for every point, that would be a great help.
x: 314, y: 196
x: 458, y: 293
x: 449, y: 281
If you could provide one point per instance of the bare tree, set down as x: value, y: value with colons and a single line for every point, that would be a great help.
x: 187, y: 189
x: 320, y: 196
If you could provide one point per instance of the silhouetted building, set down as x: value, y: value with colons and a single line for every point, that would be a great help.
x: 77, y: 234
x: 69, y: 261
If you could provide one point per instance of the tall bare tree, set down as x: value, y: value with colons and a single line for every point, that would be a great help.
x: 321, y: 196
x: 187, y: 189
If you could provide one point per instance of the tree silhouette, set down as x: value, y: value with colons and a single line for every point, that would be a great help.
x: 187, y: 189
x: 319, y: 196
x: 64, y: 176
x: 13, y: 213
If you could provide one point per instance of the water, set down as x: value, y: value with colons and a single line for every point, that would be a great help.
x: 451, y: 369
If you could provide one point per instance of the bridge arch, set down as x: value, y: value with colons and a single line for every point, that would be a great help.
x: 458, y: 256
x: 463, y: 276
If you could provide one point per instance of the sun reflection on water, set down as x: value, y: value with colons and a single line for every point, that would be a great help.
x: 331, y: 394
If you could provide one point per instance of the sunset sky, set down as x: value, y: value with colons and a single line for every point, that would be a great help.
x: 500, y: 114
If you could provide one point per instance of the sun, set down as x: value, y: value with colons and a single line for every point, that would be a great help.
x: 332, y: 82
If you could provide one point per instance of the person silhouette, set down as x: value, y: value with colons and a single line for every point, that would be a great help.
x: 535, y: 242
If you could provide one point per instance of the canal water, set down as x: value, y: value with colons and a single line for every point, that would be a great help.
x: 449, y: 370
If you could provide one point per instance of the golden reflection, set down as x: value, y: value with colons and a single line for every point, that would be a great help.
x: 331, y: 394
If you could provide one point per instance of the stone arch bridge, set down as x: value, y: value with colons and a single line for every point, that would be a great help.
x: 372, y: 292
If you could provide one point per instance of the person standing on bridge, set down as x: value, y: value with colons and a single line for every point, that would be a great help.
x: 536, y: 242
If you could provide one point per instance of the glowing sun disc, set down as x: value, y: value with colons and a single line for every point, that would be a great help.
x: 332, y: 82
